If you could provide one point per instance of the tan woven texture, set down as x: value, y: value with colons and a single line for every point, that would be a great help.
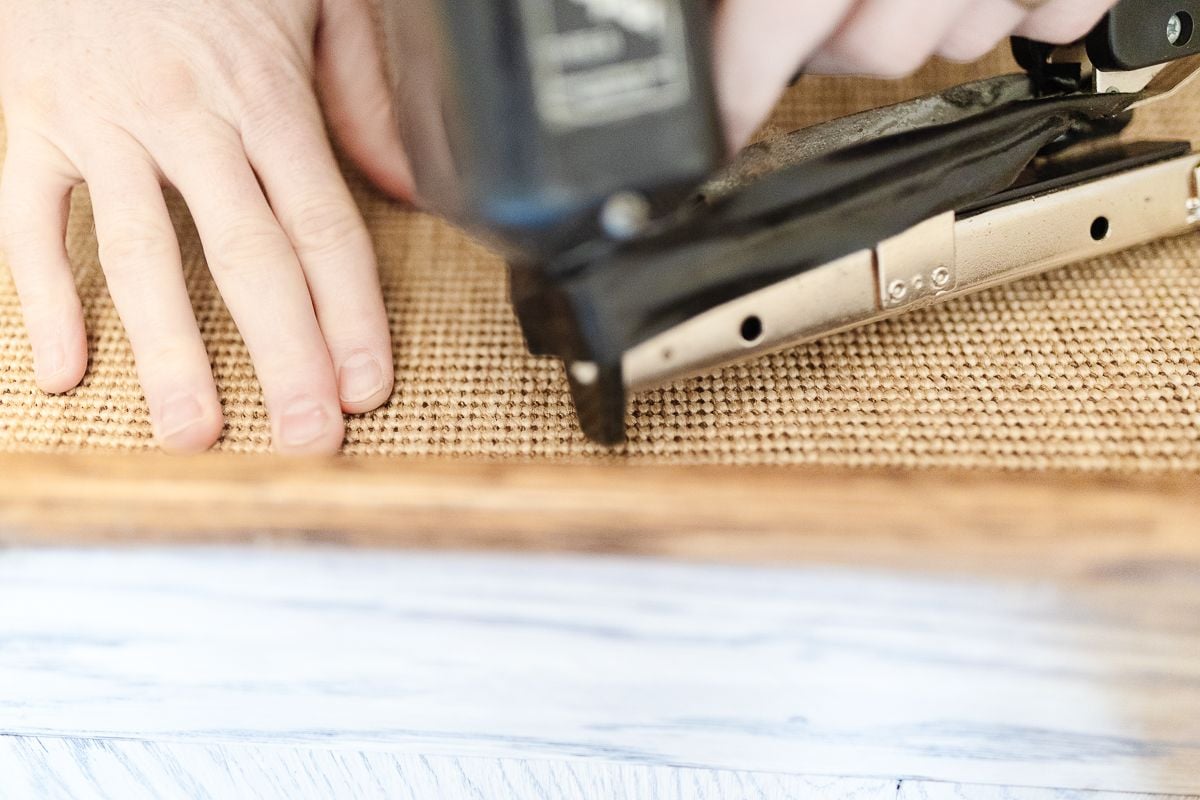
x: 1095, y: 367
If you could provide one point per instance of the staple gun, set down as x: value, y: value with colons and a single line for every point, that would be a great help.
x: 581, y: 139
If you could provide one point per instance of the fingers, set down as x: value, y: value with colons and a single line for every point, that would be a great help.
x: 1064, y: 21
x: 34, y: 204
x: 760, y: 45
x: 259, y: 277
x: 986, y: 23
x: 981, y: 28
x: 888, y: 38
x: 355, y: 95
x: 141, y: 261
x: 319, y: 216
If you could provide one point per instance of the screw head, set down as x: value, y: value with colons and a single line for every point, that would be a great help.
x: 1180, y: 29
x: 898, y: 291
x: 1174, y: 29
x: 941, y: 277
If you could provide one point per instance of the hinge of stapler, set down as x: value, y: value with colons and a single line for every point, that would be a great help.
x: 864, y: 218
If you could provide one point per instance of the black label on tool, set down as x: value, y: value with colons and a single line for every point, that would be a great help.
x: 601, y: 61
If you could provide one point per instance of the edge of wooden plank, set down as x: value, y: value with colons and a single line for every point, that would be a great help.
x: 52, y: 766
x: 727, y: 513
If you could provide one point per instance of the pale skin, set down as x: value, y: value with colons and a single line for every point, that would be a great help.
x: 228, y: 100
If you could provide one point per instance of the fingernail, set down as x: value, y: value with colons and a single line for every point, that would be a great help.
x: 303, y: 422
x: 179, y: 412
x: 49, y: 360
x: 360, y: 378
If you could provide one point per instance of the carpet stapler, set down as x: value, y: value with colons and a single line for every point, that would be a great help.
x: 581, y: 138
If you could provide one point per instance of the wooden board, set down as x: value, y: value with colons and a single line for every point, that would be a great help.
x: 1060, y: 524
x: 333, y: 672
x: 105, y: 769
x: 64, y: 769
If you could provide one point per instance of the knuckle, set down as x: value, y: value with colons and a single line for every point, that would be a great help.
x: 18, y: 234
x: 265, y: 120
x: 268, y: 93
x: 42, y: 303
x: 172, y: 88
x: 137, y: 240
x: 37, y: 96
x: 246, y: 247
x: 173, y: 357
x: 259, y: 75
x: 324, y: 225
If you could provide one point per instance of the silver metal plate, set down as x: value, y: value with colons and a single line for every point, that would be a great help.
x: 810, y: 305
x: 917, y: 266
x: 998, y: 246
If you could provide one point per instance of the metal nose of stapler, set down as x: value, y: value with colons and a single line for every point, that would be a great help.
x: 874, y: 215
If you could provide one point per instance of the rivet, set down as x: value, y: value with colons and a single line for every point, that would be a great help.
x: 625, y: 215
x: 585, y: 372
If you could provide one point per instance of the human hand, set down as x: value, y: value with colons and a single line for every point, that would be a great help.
x: 762, y: 44
x: 218, y: 100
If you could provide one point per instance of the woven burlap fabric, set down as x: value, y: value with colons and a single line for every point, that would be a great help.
x: 1095, y: 367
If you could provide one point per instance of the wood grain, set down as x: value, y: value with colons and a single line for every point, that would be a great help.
x: 109, y: 769
x: 929, y: 790
x: 595, y: 662
x: 1056, y: 523
x: 65, y: 769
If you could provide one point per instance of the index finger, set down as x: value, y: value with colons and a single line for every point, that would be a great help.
x: 760, y: 45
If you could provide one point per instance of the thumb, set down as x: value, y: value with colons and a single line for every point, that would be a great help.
x: 355, y: 95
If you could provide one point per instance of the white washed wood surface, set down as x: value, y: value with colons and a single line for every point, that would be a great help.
x: 930, y: 790
x: 129, y: 770
x: 115, y: 769
x: 643, y: 674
